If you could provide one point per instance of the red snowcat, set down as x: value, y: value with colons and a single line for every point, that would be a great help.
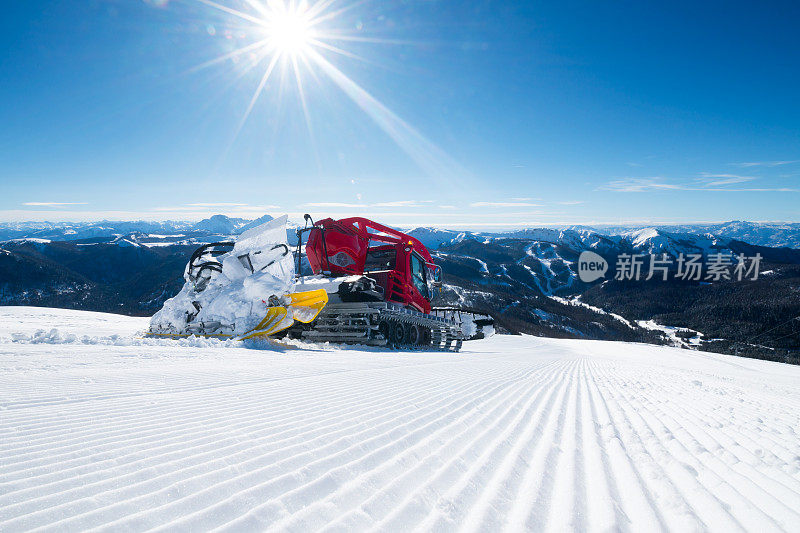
x: 380, y: 283
x: 355, y: 281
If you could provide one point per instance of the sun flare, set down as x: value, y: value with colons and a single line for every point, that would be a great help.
x: 294, y: 40
x: 290, y: 32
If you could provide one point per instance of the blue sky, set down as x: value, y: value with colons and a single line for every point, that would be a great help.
x: 460, y: 114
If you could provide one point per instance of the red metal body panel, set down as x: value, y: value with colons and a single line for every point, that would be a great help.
x: 340, y: 247
x: 337, y: 249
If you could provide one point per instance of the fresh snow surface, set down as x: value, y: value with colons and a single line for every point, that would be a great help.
x: 576, y: 300
x: 672, y: 333
x: 512, y: 433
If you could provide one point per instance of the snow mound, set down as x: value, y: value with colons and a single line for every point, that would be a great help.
x: 54, y: 336
x: 236, y: 298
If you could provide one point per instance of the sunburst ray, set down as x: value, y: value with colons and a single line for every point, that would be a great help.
x: 295, y: 35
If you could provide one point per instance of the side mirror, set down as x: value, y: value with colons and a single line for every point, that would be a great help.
x: 435, y: 275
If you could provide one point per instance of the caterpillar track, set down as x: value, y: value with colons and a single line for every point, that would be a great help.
x: 382, y: 324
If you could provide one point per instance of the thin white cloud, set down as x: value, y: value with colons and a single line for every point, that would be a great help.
x: 716, y: 180
x: 447, y: 207
x: 59, y: 213
x: 219, y: 204
x: 704, y: 175
x: 754, y: 189
x: 334, y: 204
x: 399, y: 203
x: 503, y: 204
x: 640, y: 185
x: 659, y: 184
x: 227, y: 207
x: 728, y: 181
x: 52, y: 204
x: 173, y: 208
x: 395, y: 203
x: 767, y: 163
x: 571, y: 202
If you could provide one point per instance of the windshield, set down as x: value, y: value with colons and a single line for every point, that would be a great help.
x: 418, y: 274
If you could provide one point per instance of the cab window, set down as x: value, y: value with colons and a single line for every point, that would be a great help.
x: 380, y: 259
x: 418, y: 275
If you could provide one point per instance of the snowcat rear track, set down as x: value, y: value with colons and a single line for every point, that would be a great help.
x: 384, y: 324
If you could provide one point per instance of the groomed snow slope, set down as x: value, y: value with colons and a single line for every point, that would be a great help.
x: 105, y: 430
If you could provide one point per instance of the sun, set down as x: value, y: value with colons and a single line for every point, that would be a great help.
x: 289, y: 31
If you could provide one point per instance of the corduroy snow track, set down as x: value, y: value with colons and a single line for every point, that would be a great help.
x: 101, y: 429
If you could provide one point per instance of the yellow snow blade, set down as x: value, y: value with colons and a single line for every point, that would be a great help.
x: 277, y: 319
x: 305, y: 306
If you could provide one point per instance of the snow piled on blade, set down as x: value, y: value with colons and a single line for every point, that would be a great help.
x: 236, y: 299
x: 513, y: 433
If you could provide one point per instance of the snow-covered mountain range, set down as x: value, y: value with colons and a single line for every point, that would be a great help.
x: 641, y: 238
x: 773, y: 234
x: 107, y: 231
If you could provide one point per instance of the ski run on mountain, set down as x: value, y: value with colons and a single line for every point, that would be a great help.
x: 103, y: 428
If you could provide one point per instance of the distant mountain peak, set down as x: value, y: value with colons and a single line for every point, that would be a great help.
x: 219, y: 224
x: 257, y: 222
